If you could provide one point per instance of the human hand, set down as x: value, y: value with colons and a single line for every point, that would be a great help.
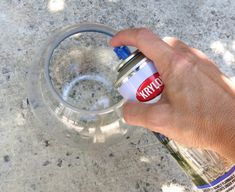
x: 197, y: 107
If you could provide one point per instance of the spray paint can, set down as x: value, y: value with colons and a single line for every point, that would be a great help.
x: 139, y: 80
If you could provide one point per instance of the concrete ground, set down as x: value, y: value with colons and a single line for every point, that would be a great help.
x: 31, y: 161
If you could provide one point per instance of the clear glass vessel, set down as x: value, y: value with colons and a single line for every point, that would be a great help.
x: 71, y: 88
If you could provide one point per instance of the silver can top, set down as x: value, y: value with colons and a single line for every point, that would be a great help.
x: 129, y: 66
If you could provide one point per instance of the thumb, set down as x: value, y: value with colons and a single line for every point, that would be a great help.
x: 149, y: 44
x: 155, y: 117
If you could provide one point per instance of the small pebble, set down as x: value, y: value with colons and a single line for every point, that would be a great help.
x: 59, y: 162
x: 31, y: 26
x: 33, y: 186
x: 25, y: 103
x: 5, y: 70
x: 145, y: 190
x: 213, y: 12
x: 46, y: 163
x: 65, y: 19
x: 46, y: 143
x: 137, y: 186
x: 111, y: 155
x: 8, y: 77
x: 6, y: 158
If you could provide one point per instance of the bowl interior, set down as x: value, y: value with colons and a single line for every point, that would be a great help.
x: 83, y: 71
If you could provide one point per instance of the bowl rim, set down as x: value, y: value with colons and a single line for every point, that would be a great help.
x: 55, y: 42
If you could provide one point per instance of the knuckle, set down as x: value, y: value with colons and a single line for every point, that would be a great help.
x: 143, y: 32
x: 176, y: 43
x: 175, y: 39
x: 170, y: 39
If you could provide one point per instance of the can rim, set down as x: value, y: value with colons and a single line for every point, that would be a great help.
x: 130, y: 72
x: 122, y: 65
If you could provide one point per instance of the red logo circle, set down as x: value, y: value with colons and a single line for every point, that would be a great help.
x: 150, y: 88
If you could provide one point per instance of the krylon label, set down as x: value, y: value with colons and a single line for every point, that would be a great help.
x: 150, y: 88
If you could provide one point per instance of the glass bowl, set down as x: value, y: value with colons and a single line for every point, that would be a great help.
x: 71, y: 88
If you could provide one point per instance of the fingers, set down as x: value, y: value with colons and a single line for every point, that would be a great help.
x: 154, y: 117
x: 148, y: 43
